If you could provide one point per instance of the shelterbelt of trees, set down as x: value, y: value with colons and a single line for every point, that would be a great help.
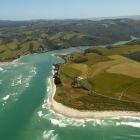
x: 100, y: 79
x: 18, y: 38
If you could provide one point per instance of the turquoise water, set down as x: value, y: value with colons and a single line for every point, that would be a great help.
x: 121, y: 42
x: 24, y: 115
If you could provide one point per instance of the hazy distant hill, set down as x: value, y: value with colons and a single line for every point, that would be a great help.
x: 136, y: 17
x: 22, y: 37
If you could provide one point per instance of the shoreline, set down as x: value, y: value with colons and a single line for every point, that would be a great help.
x: 77, y: 114
x: 9, y: 62
x: 12, y: 60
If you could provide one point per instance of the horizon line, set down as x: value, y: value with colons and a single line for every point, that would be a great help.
x: 88, y: 18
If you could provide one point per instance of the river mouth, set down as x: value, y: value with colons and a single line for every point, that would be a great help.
x: 24, y: 88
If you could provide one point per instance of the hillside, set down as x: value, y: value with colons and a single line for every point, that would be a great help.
x: 101, y: 79
x: 18, y: 38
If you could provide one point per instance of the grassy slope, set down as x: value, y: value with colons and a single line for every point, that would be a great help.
x: 9, y: 51
x: 59, y: 34
x: 107, y: 90
x: 60, y: 40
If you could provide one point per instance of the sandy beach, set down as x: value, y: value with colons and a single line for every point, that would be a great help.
x: 9, y: 62
x: 73, y: 113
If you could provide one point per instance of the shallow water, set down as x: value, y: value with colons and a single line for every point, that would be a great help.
x: 24, y: 88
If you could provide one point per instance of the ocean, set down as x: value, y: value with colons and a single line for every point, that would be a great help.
x: 24, y: 114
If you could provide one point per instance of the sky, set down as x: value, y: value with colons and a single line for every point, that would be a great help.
x: 66, y: 9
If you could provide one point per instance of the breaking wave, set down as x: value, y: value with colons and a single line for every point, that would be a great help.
x: 1, y: 69
x: 24, y: 80
x: 6, y: 97
x: 62, y: 121
x: 34, y: 70
x: 132, y: 124
x: 50, y: 135
x: 40, y: 114
x: 17, y: 81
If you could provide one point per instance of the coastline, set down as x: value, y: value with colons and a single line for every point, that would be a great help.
x: 9, y: 62
x: 74, y: 113
x: 12, y: 61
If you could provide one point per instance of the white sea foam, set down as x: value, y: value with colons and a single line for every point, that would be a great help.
x: 48, y: 89
x: 40, y: 113
x: 17, y: 64
x: 6, y: 97
x: 44, y: 105
x: 96, y: 122
x: 61, y: 121
x: 1, y: 69
x: 133, y: 124
x: 14, y: 95
x: 34, y: 70
x: 49, y: 135
x: 49, y: 80
x: 130, y: 117
x: 26, y: 81
x: 58, y: 122
x: 78, y: 123
x: 58, y: 119
x: 20, y: 80
x: 17, y: 81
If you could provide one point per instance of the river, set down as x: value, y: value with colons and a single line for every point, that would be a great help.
x: 24, y: 90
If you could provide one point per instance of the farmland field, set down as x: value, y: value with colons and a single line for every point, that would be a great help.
x: 101, y: 78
